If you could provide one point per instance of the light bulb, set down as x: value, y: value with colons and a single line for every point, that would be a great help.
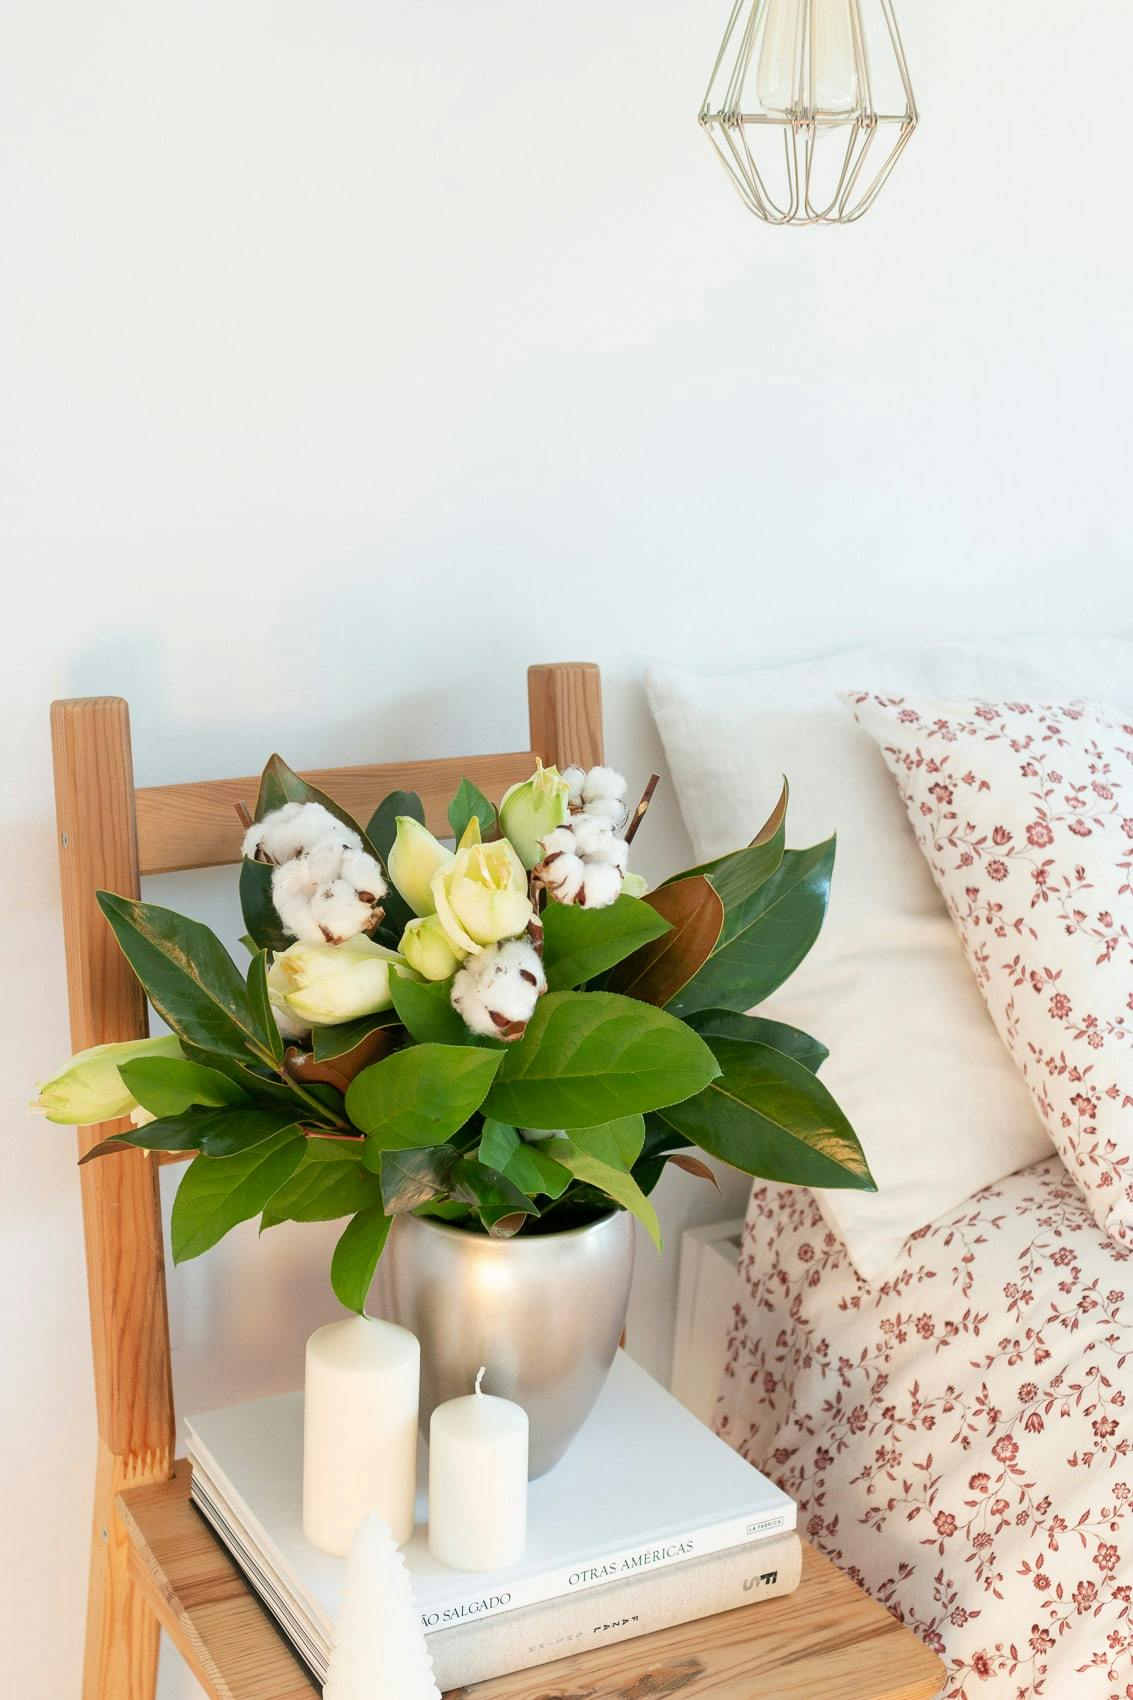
x: 807, y: 64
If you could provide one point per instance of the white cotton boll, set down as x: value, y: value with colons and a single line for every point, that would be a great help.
x: 287, y: 834
x: 563, y: 875
x: 364, y: 873
x: 291, y: 893
x: 498, y: 989
x: 592, y: 837
x: 601, y: 885
x: 575, y: 779
x: 601, y: 783
x: 339, y: 913
x: 607, y: 808
x: 323, y: 862
x: 560, y: 842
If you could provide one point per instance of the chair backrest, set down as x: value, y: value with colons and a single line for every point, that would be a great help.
x: 110, y: 835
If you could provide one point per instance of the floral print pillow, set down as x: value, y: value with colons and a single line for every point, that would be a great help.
x: 1025, y: 814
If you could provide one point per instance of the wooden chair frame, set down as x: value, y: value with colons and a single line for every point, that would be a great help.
x: 110, y: 835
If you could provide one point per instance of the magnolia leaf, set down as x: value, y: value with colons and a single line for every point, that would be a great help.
x: 215, y: 1132
x: 590, y: 1057
x: 614, y: 1182
x: 579, y: 943
x: 413, y: 1178
x: 494, y: 1198
x: 218, y: 1192
x: 280, y: 784
x: 262, y: 1088
x: 345, y: 1037
x: 618, y: 1143
x: 381, y: 831
x: 767, y: 932
x: 757, y: 1030
x: 426, y: 1010
x: 420, y: 1096
x: 356, y: 1257
x: 167, y: 1085
x: 329, y: 1183
x: 497, y: 1144
x: 658, y: 971
x: 767, y: 1115
x: 263, y: 924
x: 536, y: 1173
x: 261, y: 1006
x: 188, y: 975
x: 470, y: 803
x: 339, y: 1071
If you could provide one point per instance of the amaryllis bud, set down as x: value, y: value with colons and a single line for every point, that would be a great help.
x: 428, y: 949
x: 496, y: 992
x: 89, y: 1089
x: 320, y: 985
x: 414, y: 860
x: 533, y: 808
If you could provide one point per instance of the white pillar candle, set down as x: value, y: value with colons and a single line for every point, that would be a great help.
x: 478, y: 1482
x: 359, y: 1430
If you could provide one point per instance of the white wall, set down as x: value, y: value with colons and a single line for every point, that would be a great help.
x: 355, y: 355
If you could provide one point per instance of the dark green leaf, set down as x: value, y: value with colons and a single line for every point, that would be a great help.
x: 257, y: 907
x: 419, y: 1096
x: 492, y: 1196
x: 280, y: 784
x: 328, y: 1043
x: 215, y: 1132
x: 470, y: 801
x: 765, y: 935
x: 755, y: 1030
x: 656, y: 972
x: 612, y: 1181
x: 218, y: 1192
x: 767, y: 1115
x: 261, y: 1087
x: 589, y: 1057
x: 534, y: 1172
x: 413, y: 1178
x: 188, y: 975
x: 329, y: 1183
x: 356, y: 1257
x: 261, y: 1006
x: 426, y: 1011
x: 382, y: 829
x: 497, y: 1143
x: 167, y: 1085
x: 579, y: 943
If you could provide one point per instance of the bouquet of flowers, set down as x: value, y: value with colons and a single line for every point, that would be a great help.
x: 511, y: 1034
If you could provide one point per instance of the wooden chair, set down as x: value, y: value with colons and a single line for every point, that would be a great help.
x: 154, y: 1563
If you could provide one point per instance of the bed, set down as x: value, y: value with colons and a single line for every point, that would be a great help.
x: 958, y: 1436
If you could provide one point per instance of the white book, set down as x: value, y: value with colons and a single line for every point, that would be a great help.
x: 644, y: 1486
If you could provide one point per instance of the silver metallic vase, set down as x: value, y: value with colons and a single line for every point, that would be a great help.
x: 543, y: 1312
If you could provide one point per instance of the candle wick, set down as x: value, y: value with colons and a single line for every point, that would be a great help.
x: 479, y: 1378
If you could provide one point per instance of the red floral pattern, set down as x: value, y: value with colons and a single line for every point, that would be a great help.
x: 958, y: 1436
x: 1025, y: 814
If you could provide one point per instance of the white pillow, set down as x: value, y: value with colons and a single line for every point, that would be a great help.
x: 1024, y: 813
x: 914, y: 1058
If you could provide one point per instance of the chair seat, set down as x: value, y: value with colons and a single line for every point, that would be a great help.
x: 828, y: 1641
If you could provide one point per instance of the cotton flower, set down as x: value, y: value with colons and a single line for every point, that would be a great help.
x: 599, y: 792
x: 496, y: 991
x: 584, y: 862
x: 295, y: 828
x: 325, y: 887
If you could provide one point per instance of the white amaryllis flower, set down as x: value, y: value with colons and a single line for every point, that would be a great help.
x: 584, y: 862
x: 482, y: 897
x: 496, y: 991
x: 599, y: 792
x: 321, y: 985
x: 89, y: 1089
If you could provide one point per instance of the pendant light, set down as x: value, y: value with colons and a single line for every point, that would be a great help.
x: 810, y: 106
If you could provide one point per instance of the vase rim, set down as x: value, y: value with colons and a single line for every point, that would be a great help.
x: 529, y: 1240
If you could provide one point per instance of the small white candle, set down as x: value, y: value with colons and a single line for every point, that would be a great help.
x: 359, y: 1430
x: 478, y: 1482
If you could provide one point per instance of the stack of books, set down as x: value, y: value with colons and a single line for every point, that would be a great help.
x: 647, y: 1522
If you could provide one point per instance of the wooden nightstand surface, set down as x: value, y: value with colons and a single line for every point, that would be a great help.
x: 827, y: 1641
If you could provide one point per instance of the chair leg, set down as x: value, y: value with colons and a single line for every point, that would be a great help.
x: 122, y: 1632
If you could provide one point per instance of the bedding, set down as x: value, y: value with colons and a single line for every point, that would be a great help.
x: 1024, y: 812
x: 887, y: 980
x: 959, y: 1436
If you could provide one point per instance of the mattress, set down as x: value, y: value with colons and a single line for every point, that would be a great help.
x: 959, y: 1436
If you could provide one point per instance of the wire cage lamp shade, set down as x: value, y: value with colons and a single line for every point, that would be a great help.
x: 810, y: 106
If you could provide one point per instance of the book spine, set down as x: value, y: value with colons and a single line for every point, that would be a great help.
x: 611, y: 1567
x: 602, y: 1616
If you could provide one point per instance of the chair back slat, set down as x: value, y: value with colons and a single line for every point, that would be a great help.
x: 196, y: 825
